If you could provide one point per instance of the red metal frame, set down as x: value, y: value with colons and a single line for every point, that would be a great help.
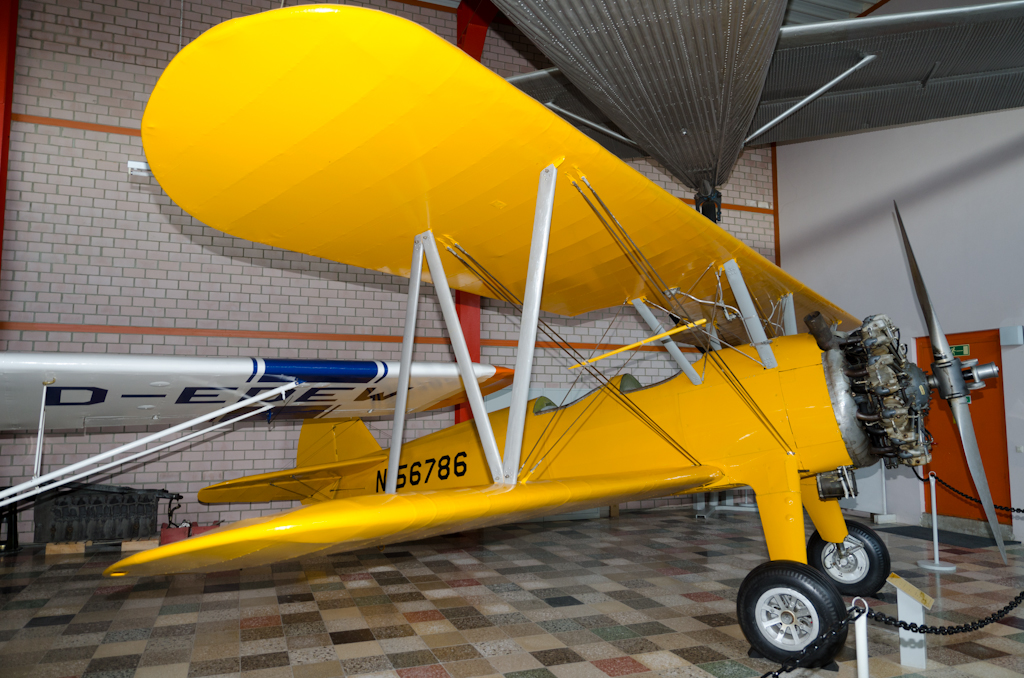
x: 473, y: 18
x: 8, y: 46
x: 468, y: 307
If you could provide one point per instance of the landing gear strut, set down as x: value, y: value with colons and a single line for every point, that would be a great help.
x: 784, y: 605
x: 857, y: 567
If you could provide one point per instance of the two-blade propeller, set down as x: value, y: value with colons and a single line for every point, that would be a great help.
x: 948, y: 377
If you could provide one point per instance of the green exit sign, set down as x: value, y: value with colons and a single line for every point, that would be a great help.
x: 961, y: 350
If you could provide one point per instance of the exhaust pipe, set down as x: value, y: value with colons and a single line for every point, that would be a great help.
x: 821, y: 330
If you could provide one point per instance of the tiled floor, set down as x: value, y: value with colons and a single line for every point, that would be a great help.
x: 648, y: 594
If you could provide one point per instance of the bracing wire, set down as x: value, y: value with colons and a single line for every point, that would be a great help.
x: 500, y: 291
x: 655, y: 282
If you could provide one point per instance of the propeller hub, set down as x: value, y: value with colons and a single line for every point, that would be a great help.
x: 949, y: 379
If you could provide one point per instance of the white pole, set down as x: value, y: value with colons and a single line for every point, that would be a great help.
x: 937, y: 565
x: 860, y: 636
x: 885, y: 495
x: 145, y: 441
x: 465, y: 363
x: 37, y: 469
x: 405, y: 369
x: 935, y: 518
x: 528, y: 325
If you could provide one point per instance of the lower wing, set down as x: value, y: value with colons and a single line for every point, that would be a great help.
x: 377, y: 519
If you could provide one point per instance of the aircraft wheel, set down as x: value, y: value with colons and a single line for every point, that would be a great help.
x: 861, y: 570
x: 783, y: 606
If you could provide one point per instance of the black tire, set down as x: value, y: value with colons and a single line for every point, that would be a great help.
x: 863, y: 572
x: 790, y: 592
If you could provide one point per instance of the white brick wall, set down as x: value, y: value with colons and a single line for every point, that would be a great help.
x: 84, y: 244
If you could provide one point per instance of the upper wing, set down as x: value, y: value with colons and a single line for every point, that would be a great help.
x: 91, y: 390
x: 370, y: 131
x: 929, y: 65
x: 371, y: 520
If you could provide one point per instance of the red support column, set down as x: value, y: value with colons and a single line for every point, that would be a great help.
x: 8, y: 45
x: 468, y: 307
x: 473, y: 18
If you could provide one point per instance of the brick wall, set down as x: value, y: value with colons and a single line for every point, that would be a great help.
x: 85, y: 244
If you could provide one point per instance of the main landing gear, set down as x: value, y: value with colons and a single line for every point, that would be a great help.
x: 784, y: 605
x: 857, y: 567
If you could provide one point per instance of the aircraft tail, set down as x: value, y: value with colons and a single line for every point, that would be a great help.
x: 329, y: 454
x: 326, y: 442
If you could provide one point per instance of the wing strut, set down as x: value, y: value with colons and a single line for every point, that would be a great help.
x: 789, y: 325
x: 748, y: 314
x: 424, y: 244
x: 528, y: 325
x: 408, y: 340
x: 667, y: 342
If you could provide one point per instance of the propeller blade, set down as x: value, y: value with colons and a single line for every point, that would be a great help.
x: 940, y: 347
x: 962, y: 416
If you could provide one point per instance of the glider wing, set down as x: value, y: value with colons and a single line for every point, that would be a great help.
x: 89, y: 390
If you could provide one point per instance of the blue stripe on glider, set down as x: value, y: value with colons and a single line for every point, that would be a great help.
x: 330, y: 371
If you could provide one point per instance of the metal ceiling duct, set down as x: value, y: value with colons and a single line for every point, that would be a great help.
x: 930, y: 65
x: 680, y: 78
x: 815, y: 11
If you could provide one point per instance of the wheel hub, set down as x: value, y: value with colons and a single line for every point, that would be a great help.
x: 787, y: 619
x: 848, y: 564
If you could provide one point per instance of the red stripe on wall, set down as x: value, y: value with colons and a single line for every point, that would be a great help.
x: 8, y: 45
x: 296, y: 336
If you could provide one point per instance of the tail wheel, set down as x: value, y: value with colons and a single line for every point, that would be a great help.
x: 783, y: 606
x: 859, y: 568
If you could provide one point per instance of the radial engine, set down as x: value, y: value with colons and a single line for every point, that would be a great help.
x: 879, y: 396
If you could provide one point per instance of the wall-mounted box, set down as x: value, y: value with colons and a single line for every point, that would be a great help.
x: 1011, y: 336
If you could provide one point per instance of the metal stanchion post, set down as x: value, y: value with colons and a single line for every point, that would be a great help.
x: 860, y: 635
x: 936, y: 565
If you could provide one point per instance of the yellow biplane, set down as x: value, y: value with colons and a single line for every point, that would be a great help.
x: 304, y: 129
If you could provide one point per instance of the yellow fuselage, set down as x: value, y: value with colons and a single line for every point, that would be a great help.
x: 597, y: 435
x: 777, y: 429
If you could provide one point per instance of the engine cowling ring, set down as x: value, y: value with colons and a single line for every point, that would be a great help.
x: 845, y: 408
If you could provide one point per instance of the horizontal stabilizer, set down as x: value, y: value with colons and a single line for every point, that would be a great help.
x: 329, y: 452
x: 307, y: 482
x: 377, y: 519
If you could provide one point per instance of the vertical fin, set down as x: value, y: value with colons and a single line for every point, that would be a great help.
x: 326, y: 442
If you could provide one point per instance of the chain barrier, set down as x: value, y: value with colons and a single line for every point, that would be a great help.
x: 948, y: 630
x: 968, y: 497
x: 855, y: 612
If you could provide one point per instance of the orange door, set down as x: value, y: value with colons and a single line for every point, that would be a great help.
x: 989, y: 416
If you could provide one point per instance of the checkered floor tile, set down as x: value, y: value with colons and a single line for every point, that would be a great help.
x: 649, y: 593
